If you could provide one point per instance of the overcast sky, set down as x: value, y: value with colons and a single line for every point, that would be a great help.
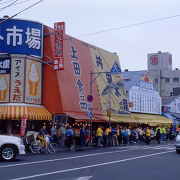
x: 132, y: 44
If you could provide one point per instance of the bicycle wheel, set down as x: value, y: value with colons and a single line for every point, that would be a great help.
x: 52, y: 147
x: 35, y: 147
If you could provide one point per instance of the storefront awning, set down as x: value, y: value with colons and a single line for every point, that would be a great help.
x: 153, y: 119
x: 124, y: 119
x: 31, y: 113
x: 80, y: 117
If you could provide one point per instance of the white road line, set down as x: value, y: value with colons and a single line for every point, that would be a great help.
x: 91, y: 166
x: 129, y: 148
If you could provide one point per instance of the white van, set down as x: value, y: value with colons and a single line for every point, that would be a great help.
x: 10, y: 146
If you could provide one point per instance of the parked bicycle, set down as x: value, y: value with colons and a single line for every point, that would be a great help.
x: 51, y: 147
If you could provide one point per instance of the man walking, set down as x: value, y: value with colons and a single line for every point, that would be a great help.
x: 99, y: 135
x: 148, y: 133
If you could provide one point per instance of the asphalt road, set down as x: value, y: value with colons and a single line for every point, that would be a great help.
x: 131, y: 162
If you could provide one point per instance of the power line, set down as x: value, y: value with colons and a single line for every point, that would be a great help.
x: 131, y: 25
x: 5, y: 2
x: 21, y: 11
x: 8, y: 5
x: 18, y: 3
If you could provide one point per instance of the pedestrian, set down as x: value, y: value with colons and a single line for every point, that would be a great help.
x: 158, y: 134
x: 61, y: 134
x: 114, y: 136
x: 139, y: 134
x: 148, y: 133
x: 54, y: 134
x: 134, y: 135
x: 152, y: 134
x: 82, y: 136
x: 99, y: 136
x: 107, y: 130
x: 124, y: 135
x: 167, y: 133
x: 88, y: 136
x: 163, y: 133
x: 120, y: 135
x: 69, y: 135
x: 129, y: 133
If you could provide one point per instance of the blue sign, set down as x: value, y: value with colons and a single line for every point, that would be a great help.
x: 115, y: 69
x: 90, y: 98
x: 89, y: 113
x: 146, y: 85
x: 21, y: 37
x: 5, y: 65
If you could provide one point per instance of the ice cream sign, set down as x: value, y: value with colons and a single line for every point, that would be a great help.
x: 33, y: 82
x: 21, y: 37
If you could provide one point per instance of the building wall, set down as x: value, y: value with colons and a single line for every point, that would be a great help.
x: 162, y: 75
x: 145, y: 98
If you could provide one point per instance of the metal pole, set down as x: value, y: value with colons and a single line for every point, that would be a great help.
x: 91, y: 117
x: 110, y: 106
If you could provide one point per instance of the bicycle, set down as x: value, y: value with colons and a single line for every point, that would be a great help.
x: 36, y: 146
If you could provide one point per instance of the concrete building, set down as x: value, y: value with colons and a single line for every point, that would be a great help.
x: 144, y: 99
x: 166, y: 79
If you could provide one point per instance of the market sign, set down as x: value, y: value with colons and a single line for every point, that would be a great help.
x: 59, y: 30
x: 21, y: 37
x: 5, y: 65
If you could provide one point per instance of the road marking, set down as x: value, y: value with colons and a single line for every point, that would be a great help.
x: 129, y: 148
x: 91, y: 166
x: 78, y: 178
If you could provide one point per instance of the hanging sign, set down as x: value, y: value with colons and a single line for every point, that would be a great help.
x: 59, y: 30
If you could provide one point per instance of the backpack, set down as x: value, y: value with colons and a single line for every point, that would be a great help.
x: 125, y: 134
x: 158, y: 131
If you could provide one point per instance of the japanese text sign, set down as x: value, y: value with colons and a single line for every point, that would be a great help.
x: 59, y: 64
x: 59, y: 29
x: 5, y: 65
x: 17, y: 80
x: 21, y: 37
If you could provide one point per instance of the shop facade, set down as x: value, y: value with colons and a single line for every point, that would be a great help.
x: 21, y: 75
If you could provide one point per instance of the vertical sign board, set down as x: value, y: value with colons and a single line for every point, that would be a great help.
x: 17, y: 80
x: 5, y: 70
x: 59, y: 29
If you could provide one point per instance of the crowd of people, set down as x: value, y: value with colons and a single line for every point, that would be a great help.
x: 109, y: 136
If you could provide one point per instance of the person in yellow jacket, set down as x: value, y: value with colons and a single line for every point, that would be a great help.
x: 107, y: 135
x: 148, y: 133
x: 99, y: 135
x: 163, y: 134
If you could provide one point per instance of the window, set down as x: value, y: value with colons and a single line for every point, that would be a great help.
x: 175, y: 79
x: 15, y: 127
x: 3, y: 127
x: 156, y: 80
x: 176, y: 91
x: 166, y: 80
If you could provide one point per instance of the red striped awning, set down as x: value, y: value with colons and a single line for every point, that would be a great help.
x: 31, y: 113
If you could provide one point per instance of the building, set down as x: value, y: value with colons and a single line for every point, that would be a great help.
x: 144, y: 99
x: 31, y: 85
x: 166, y: 79
x: 21, y: 76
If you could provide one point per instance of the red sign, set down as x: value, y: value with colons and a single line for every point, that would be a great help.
x: 154, y: 60
x: 59, y: 30
x: 23, y: 126
x: 59, y: 64
x: 90, y: 98
x: 130, y: 104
